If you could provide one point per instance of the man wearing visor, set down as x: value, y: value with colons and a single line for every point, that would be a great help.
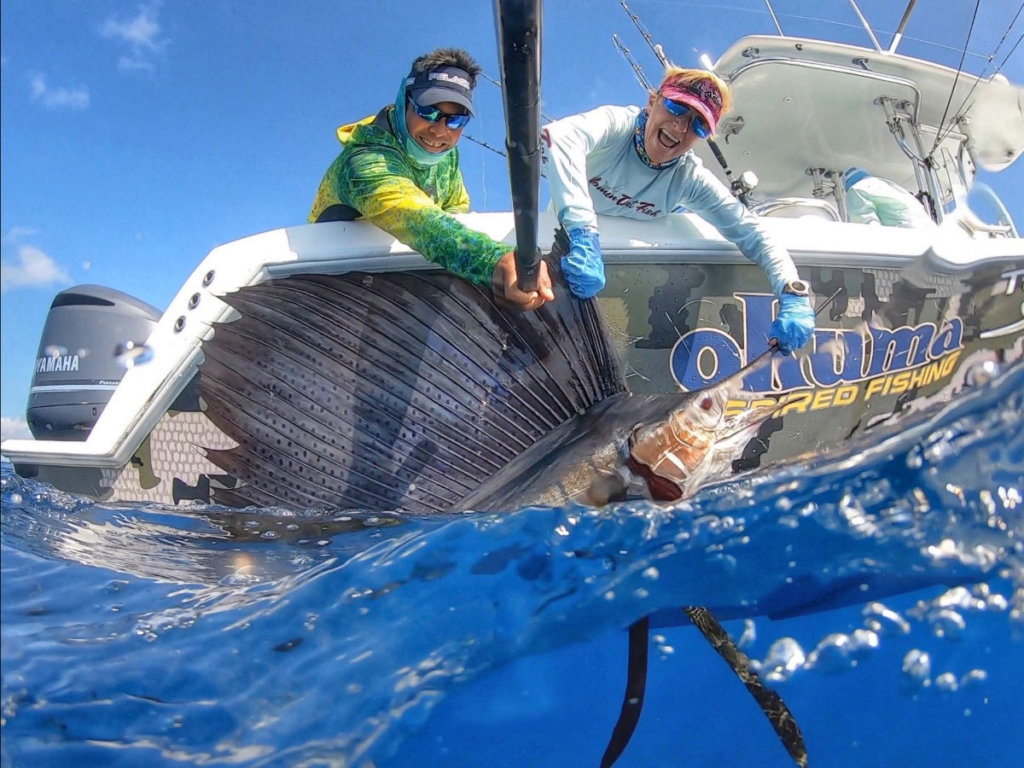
x: 638, y: 163
x: 400, y: 170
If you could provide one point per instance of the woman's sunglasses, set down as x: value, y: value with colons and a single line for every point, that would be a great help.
x: 697, y: 123
x: 433, y: 115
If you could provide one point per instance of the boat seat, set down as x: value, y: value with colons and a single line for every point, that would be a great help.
x: 797, y: 207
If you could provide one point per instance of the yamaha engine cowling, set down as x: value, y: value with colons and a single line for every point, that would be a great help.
x: 80, y: 359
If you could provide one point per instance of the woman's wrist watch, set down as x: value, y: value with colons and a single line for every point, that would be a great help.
x: 797, y: 288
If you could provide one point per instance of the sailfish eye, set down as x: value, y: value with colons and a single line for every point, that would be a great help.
x: 705, y: 403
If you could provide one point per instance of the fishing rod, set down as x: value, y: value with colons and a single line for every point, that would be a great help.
x: 485, y: 145
x: 739, y: 187
x: 659, y: 51
x: 941, y: 135
x: 518, y: 25
x: 637, y: 70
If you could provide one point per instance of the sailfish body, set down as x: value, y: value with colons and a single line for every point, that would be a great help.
x: 662, y: 447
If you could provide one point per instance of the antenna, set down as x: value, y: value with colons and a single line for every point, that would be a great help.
x: 898, y: 35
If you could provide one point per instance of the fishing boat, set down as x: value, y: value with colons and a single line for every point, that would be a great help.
x: 122, y: 406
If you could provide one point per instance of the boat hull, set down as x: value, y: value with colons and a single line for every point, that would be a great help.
x: 889, y: 341
x: 897, y: 334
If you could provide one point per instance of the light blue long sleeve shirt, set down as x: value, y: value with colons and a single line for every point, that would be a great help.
x: 593, y: 168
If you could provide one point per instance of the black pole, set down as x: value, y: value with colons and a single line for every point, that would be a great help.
x: 633, y: 699
x: 518, y: 27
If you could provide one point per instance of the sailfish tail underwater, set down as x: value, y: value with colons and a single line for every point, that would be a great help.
x: 418, y: 393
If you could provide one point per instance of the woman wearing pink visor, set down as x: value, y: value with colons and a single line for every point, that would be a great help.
x: 638, y: 163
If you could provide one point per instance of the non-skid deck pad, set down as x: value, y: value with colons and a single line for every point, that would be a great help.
x: 392, y: 391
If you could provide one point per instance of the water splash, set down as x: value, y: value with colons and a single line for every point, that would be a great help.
x: 264, y: 637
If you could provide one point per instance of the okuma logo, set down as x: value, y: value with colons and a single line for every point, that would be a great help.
x: 892, y: 359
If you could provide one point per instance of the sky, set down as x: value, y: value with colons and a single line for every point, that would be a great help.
x: 136, y: 137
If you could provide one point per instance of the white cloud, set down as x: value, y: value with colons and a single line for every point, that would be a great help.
x: 140, y: 34
x: 13, y: 428
x: 58, y: 98
x: 15, y: 234
x: 33, y: 269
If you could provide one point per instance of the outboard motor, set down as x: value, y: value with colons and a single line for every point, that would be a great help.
x: 79, y: 362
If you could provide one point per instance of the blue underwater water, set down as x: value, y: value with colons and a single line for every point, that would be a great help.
x: 159, y: 636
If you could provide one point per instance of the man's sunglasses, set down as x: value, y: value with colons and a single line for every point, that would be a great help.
x: 697, y: 123
x: 433, y: 115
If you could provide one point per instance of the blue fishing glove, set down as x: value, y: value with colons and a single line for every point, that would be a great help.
x: 794, y: 324
x: 582, y: 266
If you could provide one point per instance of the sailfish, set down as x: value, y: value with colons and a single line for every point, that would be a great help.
x: 419, y: 392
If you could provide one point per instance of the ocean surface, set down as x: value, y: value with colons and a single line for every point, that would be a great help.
x: 894, y: 569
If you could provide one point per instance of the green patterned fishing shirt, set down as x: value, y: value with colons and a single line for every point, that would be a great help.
x: 375, y: 178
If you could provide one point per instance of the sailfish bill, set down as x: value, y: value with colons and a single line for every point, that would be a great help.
x: 417, y: 392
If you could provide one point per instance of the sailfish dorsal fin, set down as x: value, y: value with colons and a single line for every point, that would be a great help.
x: 392, y: 391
